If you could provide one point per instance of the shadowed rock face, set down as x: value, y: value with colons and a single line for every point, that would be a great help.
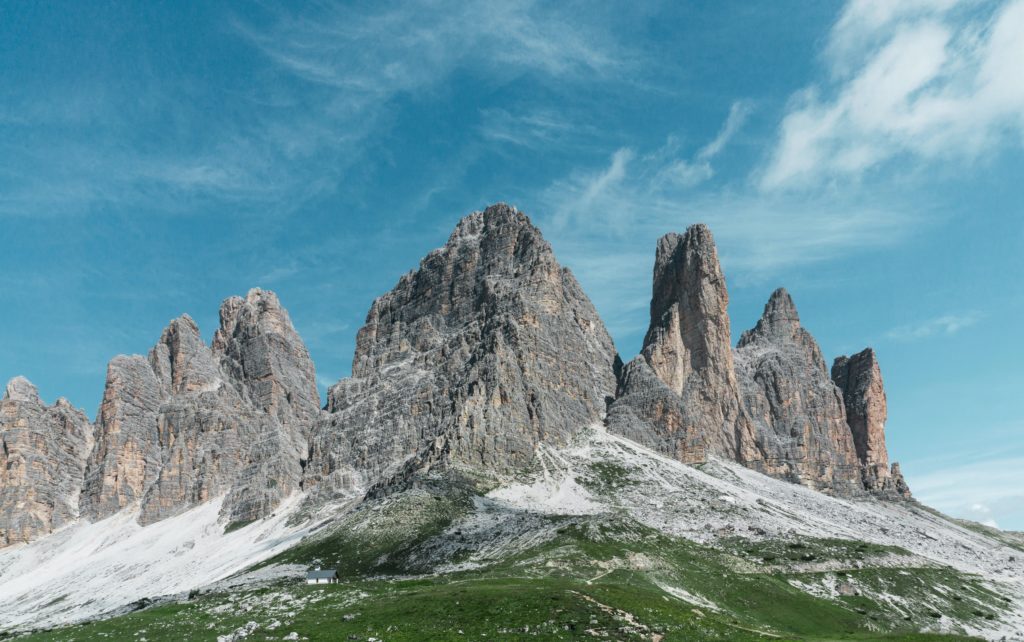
x: 681, y: 396
x: 860, y: 379
x: 486, y: 350
x: 191, y: 422
x: 797, y: 411
x: 43, y: 450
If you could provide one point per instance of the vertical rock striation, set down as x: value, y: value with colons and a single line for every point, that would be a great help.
x: 797, y: 411
x: 488, y: 349
x: 127, y: 456
x: 860, y: 380
x: 680, y: 396
x: 43, y: 451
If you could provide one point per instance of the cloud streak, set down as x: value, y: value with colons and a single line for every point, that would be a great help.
x: 988, y: 490
x: 923, y: 81
x: 945, y: 325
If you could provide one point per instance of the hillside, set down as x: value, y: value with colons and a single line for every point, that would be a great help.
x: 603, y: 536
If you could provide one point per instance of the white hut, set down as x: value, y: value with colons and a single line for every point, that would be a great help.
x: 322, y: 576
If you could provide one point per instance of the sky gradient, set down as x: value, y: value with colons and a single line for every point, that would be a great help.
x: 156, y: 158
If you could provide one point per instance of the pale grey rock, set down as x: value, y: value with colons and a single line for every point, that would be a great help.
x: 797, y: 411
x: 681, y: 396
x: 266, y: 359
x: 487, y: 350
x: 199, y: 425
x: 859, y: 377
x: 21, y: 389
x: 127, y: 456
x: 194, y: 422
x: 43, y: 452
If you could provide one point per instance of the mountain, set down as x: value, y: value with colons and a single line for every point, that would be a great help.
x: 769, y: 404
x: 491, y: 467
x: 487, y: 350
x: 193, y: 422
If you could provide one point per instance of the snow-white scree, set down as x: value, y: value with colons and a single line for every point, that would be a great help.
x: 91, y: 568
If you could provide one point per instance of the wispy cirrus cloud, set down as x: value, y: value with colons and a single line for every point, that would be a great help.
x: 985, y: 489
x: 917, y: 80
x: 634, y: 198
x: 328, y: 77
x: 372, y: 55
x: 691, y: 172
x: 945, y: 325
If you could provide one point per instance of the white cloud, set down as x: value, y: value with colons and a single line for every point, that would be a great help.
x: 984, y: 489
x: 604, y: 224
x: 692, y: 172
x: 631, y: 197
x: 374, y: 55
x: 945, y: 325
x: 922, y: 80
x: 535, y: 128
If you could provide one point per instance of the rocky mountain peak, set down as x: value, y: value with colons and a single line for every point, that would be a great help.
x: 689, y: 329
x: 182, y: 360
x: 859, y: 377
x: 687, y: 351
x: 797, y: 411
x: 265, y: 357
x: 486, y: 350
x: 21, y: 389
x: 779, y: 321
x: 43, y: 452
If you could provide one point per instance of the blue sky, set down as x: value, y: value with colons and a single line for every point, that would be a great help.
x: 158, y: 157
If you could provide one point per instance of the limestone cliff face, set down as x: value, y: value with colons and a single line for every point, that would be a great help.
x: 681, y: 396
x: 193, y: 422
x: 797, y: 411
x: 485, y: 351
x: 43, y: 450
x: 860, y: 380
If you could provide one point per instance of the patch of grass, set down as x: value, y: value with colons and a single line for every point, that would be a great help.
x: 234, y: 526
x: 604, y: 477
x: 808, y: 550
x: 380, y: 537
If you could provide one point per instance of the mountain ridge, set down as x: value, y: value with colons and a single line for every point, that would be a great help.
x: 487, y: 349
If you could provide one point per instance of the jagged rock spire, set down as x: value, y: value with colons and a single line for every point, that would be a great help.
x: 260, y: 349
x: 181, y: 360
x: 127, y: 456
x: 687, y: 349
x: 779, y: 319
x: 193, y: 422
x: 859, y: 377
x: 21, y: 389
x: 689, y: 329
